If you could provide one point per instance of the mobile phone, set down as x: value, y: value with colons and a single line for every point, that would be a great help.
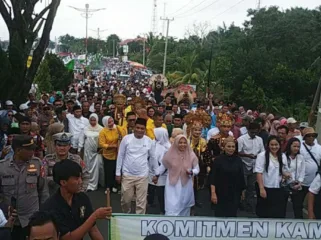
x: 13, y: 202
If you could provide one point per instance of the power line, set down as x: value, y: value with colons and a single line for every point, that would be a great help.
x: 182, y: 7
x: 227, y: 9
x: 201, y: 9
x: 191, y: 8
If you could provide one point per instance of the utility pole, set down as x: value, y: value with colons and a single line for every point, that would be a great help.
x: 144, y: 50
x: 87, y: 13
x: 164, y: 14
x: 113, y: 48
x: 166, y: 43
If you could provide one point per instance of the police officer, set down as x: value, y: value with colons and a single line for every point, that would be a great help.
x: 62, y: 147
x: 23, y: 183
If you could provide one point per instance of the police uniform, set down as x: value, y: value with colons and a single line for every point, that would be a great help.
x: 50, y: 160
x: 25, y: 182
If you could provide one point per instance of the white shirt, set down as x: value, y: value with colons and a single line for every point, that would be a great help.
x: 310, y: 166
x: 272, y: 178
x: 135, y: 156
x: 76, y: 127
x: 3, y: 220
x: 297, y: 168
x: 249, y: 145
x: 243, y: 131
x: 315, y: 185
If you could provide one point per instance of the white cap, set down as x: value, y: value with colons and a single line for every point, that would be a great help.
x: 291, y: 120
x: 23, y: 107
x: 129, y: 99
x: 9, y: 103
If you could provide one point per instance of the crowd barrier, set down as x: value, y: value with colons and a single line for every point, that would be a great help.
x: 138, y: 227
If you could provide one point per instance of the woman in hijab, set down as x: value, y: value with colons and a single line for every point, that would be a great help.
x: 274, y: 126
x: 52, y: 130
x: 227, y: 181
x: 109, y: 139
x: 162, y: 145
x: 89, y: 141
x: 182, y: 165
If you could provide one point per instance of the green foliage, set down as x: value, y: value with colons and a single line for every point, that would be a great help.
x: 78, y: 45
x: 60, y: 77
x: 112, y: 44
x: 43, y: 78
x: 273, y: 60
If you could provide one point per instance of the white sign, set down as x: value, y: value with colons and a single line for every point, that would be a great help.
x: 129, y: 227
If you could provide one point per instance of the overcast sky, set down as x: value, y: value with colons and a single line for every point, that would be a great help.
x: 129, y: 18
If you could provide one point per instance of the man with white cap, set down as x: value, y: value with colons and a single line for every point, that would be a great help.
x: 311, y: 152
x: 292, y: 125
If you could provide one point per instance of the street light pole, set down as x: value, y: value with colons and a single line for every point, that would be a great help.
x: 87, y: 13
x: 86, y: 16
x: 166, y: 43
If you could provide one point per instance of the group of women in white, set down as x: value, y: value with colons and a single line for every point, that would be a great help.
x: 177, y: 162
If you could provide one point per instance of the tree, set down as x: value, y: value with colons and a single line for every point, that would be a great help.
x: 43, y: 78
x: 112, y: 44
x: 59, y: 75
x: 24, y: 26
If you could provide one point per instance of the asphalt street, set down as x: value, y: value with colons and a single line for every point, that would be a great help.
x: 98, y: 199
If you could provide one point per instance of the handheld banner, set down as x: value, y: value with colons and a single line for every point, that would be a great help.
x: 138, y: 227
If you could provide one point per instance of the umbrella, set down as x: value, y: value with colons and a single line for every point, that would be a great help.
x: 137, y: 65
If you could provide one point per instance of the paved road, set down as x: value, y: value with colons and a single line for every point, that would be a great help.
x: 98, y: 199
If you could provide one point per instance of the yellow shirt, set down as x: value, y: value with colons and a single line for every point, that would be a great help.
x: 150, y: 126
x: 110, y: 137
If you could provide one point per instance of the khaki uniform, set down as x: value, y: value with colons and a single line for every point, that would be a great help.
x: 26, y: 183
x: 50, y: 160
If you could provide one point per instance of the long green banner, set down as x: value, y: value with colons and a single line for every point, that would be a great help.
x: 138, y: 227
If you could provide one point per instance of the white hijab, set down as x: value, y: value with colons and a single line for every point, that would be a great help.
x: 105, y: 122
x: 161, y: 137
x: 96, y: 128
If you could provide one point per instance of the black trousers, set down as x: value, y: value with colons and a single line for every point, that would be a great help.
x: 273, y: 206
x: 160, y: 192
x: 19, y: 233
x: 110, y: 173
x: 297, y: 199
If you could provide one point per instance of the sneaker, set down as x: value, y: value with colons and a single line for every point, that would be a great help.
x: 114, y: 190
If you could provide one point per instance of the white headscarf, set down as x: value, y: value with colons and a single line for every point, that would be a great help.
x: 105, y: 122
x: 161, y: 137
x: 96, y: 128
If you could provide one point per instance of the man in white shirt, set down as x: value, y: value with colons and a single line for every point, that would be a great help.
x: 136, y: 153
x: 76, y: 124
x: 311, y: 153
x: 249, y: 146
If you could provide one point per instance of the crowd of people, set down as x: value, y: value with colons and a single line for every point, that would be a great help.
x: 118, y: 135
